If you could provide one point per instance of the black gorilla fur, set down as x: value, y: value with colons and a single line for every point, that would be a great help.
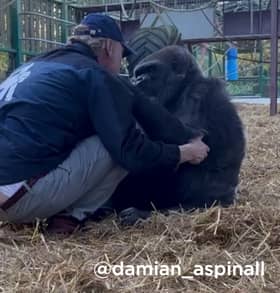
x: 172, y: 78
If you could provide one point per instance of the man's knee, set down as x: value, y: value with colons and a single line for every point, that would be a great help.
x: 92, y: 148
x: 86, y: 155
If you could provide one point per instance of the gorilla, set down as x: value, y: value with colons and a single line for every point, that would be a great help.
x: 171, y: 78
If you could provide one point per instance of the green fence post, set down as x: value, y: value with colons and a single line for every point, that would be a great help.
x: 16, y: 31
x: 261, y: 73
x: 64, y: 24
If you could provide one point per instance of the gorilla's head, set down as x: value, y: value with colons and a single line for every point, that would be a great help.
x: 165, y: 73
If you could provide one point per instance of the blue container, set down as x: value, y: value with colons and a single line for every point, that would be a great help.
x: 232, y: 64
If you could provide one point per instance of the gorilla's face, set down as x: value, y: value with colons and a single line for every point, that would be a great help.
x: 150, y: 75
x: 163, y: 74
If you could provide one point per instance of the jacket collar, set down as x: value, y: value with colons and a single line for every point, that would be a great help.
x: 81, y: 48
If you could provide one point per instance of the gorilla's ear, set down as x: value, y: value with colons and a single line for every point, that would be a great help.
x: 193, y: 70
x: 181, y: 62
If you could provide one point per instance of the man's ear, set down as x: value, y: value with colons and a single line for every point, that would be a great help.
x: 108, y: 47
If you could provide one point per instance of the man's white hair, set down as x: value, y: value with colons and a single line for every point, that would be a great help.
x: 96, y: 44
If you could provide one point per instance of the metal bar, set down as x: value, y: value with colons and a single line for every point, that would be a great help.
x: 261, y: 80
x: 251, y: 16
x: 113, y: 6
x: 30, y: 53
x: 65, y: 16
x: 16, y: 31
x: 42, y: 40
x: 218, y: 63
x: 47, y: 16
x: 274, y: 57
x: 210, y: 62
x: 48, y: 31
x: 224, y: 66
x: 30, y: 30
x: 230, y: 38
x: 27, y: 26
x: 35, y: 24
x: 7, y: 50
x: 260, y: 16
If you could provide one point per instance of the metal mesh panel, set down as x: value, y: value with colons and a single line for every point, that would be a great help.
x: 44, y: 25
x: 28, y: 27
x: 7, y: 53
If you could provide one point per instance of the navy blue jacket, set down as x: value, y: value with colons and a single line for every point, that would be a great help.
x: 53, y: 102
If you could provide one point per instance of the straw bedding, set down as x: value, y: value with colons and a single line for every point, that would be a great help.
x: 242, y: 234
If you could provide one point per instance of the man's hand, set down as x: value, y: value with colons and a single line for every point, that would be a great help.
x: 194, y: 152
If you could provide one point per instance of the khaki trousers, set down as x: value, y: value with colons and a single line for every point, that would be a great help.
x: 78, y: 186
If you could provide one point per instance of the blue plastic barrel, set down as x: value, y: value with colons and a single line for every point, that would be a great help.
x: 232, y: 64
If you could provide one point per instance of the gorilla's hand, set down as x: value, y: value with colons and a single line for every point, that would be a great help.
x: 194, y: 132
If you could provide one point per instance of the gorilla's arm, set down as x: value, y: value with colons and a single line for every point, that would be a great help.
x: 156, y: 121
x: 159, y: 124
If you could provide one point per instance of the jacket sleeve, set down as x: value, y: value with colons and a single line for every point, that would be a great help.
x: 110, y: 107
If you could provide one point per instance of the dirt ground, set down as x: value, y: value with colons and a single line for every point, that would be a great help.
x: 242, y: 234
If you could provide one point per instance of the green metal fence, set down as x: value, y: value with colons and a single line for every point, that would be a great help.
x: 28, y: 27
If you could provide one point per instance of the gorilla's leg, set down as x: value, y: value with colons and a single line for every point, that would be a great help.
x: 189, y: 188
x: 137, y: 195
x: 198, y: 188
x: 141, y: 190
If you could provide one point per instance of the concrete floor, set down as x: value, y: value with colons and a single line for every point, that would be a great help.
x: 252, y: 100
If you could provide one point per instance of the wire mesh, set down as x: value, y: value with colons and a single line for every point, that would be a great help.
x: 5, y: 24
x: 44, y: 25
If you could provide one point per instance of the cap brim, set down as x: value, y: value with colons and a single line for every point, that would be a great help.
x: 127, y: 51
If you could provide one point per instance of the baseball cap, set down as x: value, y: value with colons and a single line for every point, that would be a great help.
x: 101, y: 25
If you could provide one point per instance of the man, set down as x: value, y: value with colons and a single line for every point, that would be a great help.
x: 68, y: 133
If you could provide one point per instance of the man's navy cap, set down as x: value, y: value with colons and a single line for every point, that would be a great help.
x: 101, y: 25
